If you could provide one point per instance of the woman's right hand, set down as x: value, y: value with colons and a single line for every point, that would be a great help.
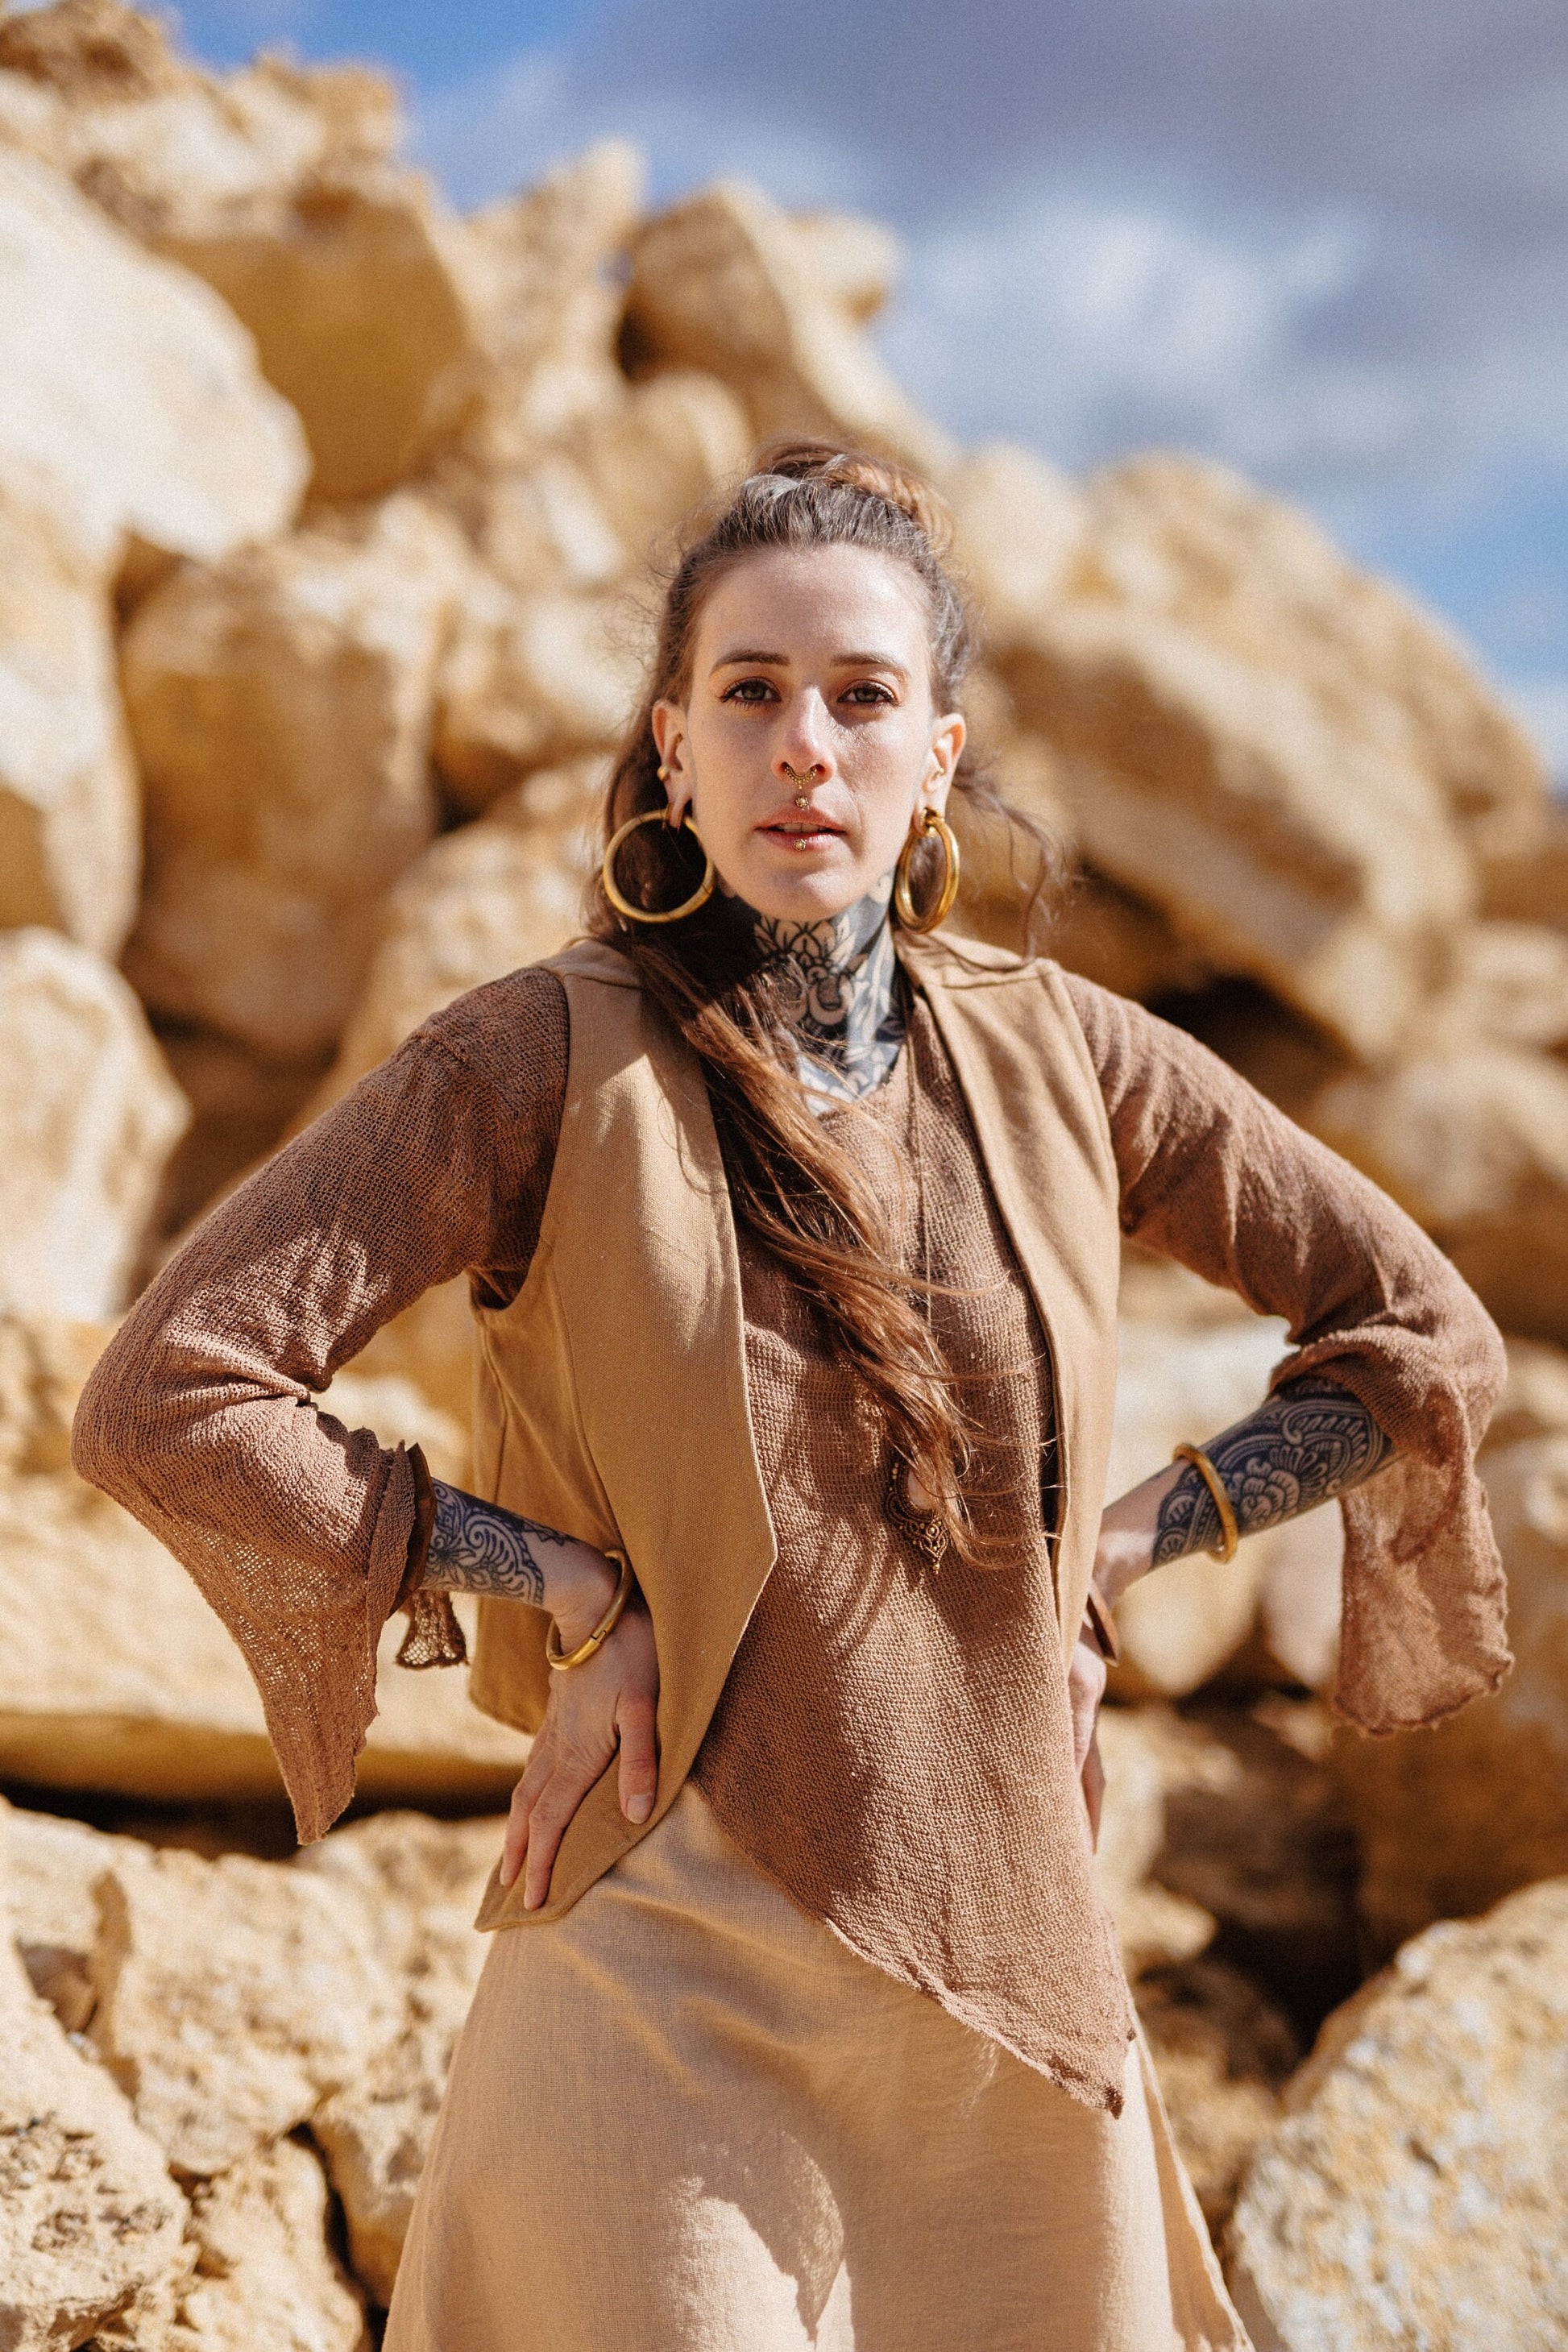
x: 594, y: 1709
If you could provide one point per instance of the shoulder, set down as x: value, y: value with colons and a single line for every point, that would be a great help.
x: 513, y: 1035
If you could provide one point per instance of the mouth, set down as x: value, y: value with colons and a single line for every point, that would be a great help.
x: 801, y: 829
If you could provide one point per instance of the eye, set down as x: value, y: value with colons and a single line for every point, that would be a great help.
x: 750, y: 690
x: 870, y: 691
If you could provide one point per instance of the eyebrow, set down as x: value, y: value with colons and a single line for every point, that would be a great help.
x: 781, y: 661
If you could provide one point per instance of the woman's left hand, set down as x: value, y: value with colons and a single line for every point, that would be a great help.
x: 1086, y: 1688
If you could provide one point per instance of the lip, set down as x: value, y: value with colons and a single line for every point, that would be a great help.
x: 800, y: 829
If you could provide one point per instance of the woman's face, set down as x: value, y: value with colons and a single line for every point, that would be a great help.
x: 809, y: 663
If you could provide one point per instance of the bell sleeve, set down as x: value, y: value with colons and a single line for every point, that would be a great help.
x: 1212, y: 1175
x: 201, y: 1419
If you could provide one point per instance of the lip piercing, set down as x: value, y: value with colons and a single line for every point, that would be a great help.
x: 802, y: 783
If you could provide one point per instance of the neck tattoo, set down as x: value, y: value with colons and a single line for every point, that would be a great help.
x: 838, y: 982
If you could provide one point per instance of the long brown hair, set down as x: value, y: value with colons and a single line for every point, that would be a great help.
x: 794, y: 1189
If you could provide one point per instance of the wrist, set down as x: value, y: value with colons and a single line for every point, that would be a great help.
x: 579, y: 1586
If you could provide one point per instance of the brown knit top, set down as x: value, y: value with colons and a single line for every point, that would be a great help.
x: 892, y: 1747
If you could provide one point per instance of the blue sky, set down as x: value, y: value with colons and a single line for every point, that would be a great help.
x: 1325, y: 240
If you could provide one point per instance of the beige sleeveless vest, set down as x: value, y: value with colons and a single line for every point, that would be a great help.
x: 611, y: 1394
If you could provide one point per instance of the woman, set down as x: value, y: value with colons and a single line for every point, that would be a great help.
x: 793, y: 1230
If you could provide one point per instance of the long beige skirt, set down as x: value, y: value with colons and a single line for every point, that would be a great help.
x: 685, y: 2118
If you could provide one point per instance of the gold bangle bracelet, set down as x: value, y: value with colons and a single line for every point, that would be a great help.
x: 1226, y: 1550
x: 560, y: 1661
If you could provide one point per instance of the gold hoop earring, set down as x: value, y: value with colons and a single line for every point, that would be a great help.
x: 938, y: 912
x: 624, y: 906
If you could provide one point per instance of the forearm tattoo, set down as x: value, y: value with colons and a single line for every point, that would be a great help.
x: 479, y: 1547
x: 1311, y: 1439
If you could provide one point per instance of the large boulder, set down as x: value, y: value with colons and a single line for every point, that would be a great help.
x: 1414, y: 2193
x: 133, y: 400
x: 118, y: 1677
x: 281, y: 706
x: 1222, y: 2052
x: 91, y: 2225
x: 506, y: 891
x: 1153, y: 1926
x: 726, y: 282
x: 134, y: 421
x: 353, y: 289
x: 422, y: 1880
x: 233, y: 1997
x: 89, y: 1114
x: 1247, y: 742
x: 1450, y: 1819
x: 267, y: 2273
x: 531, y: 681
x: 1018, y: 528
x: 1472, y: 1139
x: 1178, y: 1381
x: 97, y: 89
x: 70, y: 847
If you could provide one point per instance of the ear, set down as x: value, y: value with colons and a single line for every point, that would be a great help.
x: 948, y: 736
x: 668, y: 721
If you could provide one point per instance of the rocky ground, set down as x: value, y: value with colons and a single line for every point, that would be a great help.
x: 324, y: 516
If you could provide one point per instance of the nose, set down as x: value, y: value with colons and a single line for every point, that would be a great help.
x: 804, y: 741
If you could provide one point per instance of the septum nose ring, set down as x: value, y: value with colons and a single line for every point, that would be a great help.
x: 802, y: 783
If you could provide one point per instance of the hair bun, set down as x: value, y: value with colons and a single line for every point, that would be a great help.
x: 801, y: 460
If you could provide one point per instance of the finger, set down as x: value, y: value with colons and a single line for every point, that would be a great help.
x: 515, y: 1844
x: 1093, y: 1778
x: 547, y: 1825
x: 639, y: 1758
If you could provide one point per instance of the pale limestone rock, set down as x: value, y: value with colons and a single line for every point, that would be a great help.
x: 1474, y: 1143
x: 659, y: 453
x: 1154, y: 1927
x: 71, y: 848
x: 725, y: 281
x: 133, y: 416
x: 542, y: 268
x: 1121, y: 941
x: 1223, y: 2052
x: 504, y: 892
x: 1534, y: 1400
x: 531, y: 681
x: 354, y: 289
x: 95, y: 89
x: 1247, y: 740
x: 1178, y: 1627
x: 1530, y: 884
x: 241, y: 1103
x: 1186, y: 538
x: 270, y: 185
x: 133, y: 403
x: 267, y: 2278
x: 49, y: 1867
x: 117, y: 1676
x: 280, y: 704
x: 1510, y: 984
x: 273, y: 1978
x: 1414, y: 2194
x: 1450, y: 1819
x: 1197, y: 781
x: 423, y: 1881
x: 1257, y: 1834
x: 1018, y: 528
x: 44, y: 1363
x: 91, y: 2226
x: 91, y: 1116
x: 855, y: 261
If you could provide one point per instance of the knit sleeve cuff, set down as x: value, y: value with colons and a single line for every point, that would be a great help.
x: 433, y: 1637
